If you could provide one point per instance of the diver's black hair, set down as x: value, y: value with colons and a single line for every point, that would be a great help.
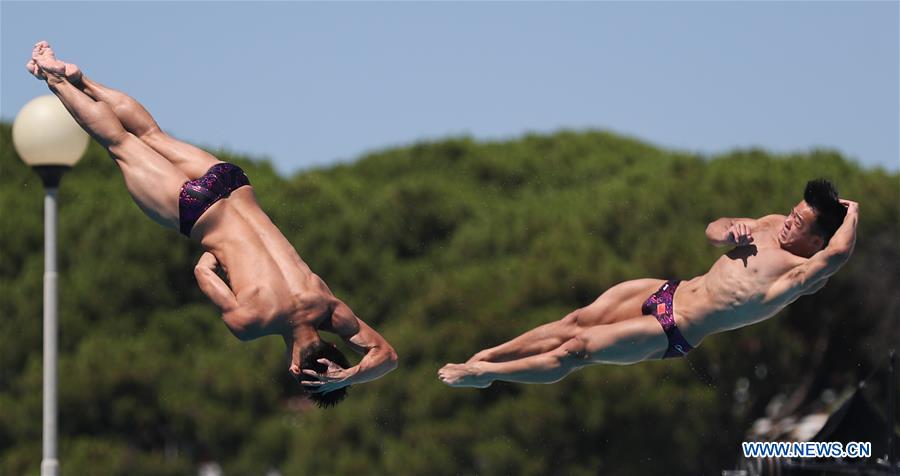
x: 309, y: 359
x: 822, y: 196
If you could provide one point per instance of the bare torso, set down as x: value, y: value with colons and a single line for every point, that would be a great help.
x: 268, y: 289
x: 737, y: 289
x: 273, y: 287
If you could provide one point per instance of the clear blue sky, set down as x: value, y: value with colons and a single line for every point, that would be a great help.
x: 309, y: 84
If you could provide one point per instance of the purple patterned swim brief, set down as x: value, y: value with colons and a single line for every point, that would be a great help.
x: 199, y: 194
x: 659, y: 305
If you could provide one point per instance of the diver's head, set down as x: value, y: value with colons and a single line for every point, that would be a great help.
x: 309, y: 359
x: 813, y: 221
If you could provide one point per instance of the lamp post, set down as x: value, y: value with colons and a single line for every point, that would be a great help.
x: 51, y: 142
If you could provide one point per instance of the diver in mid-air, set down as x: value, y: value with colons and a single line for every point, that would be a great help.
x: 775, y: 260
x: 268, y: 289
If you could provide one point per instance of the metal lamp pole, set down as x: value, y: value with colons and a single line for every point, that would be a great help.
x: 51, y: 142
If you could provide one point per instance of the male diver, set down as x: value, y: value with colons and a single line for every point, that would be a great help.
x: 267, y: 289
x: 775, y: 260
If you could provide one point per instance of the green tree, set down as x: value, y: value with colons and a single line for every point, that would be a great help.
x: 446, y: 247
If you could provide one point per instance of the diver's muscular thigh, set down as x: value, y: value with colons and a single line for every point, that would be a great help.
x: 190, y: 160
x: 151, y: 180
x: 620, y: 302
x: 626, y: 342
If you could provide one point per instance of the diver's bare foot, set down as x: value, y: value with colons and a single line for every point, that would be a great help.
x: 33, y: 68
x: 46, y: 62
x: 463, y: 375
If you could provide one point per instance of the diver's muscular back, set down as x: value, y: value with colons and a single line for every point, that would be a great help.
x: 265, y: 273
x: 737, y: 290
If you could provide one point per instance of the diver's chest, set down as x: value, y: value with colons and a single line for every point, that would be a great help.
x: 763, y: 266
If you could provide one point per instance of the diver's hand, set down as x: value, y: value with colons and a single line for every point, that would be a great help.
x: 333, y: 378
x: 852, y: 207
x: 739, y: 234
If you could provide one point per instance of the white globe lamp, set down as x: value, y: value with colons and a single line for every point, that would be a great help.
x: 47, y: 138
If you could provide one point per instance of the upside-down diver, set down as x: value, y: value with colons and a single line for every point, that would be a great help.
x: 267, y: 289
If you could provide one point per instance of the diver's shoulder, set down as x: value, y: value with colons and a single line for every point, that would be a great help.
x: 771, y: 221
x: 780, y: 260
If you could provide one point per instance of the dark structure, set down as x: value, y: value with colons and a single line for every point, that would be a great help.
x: 857, y: 419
